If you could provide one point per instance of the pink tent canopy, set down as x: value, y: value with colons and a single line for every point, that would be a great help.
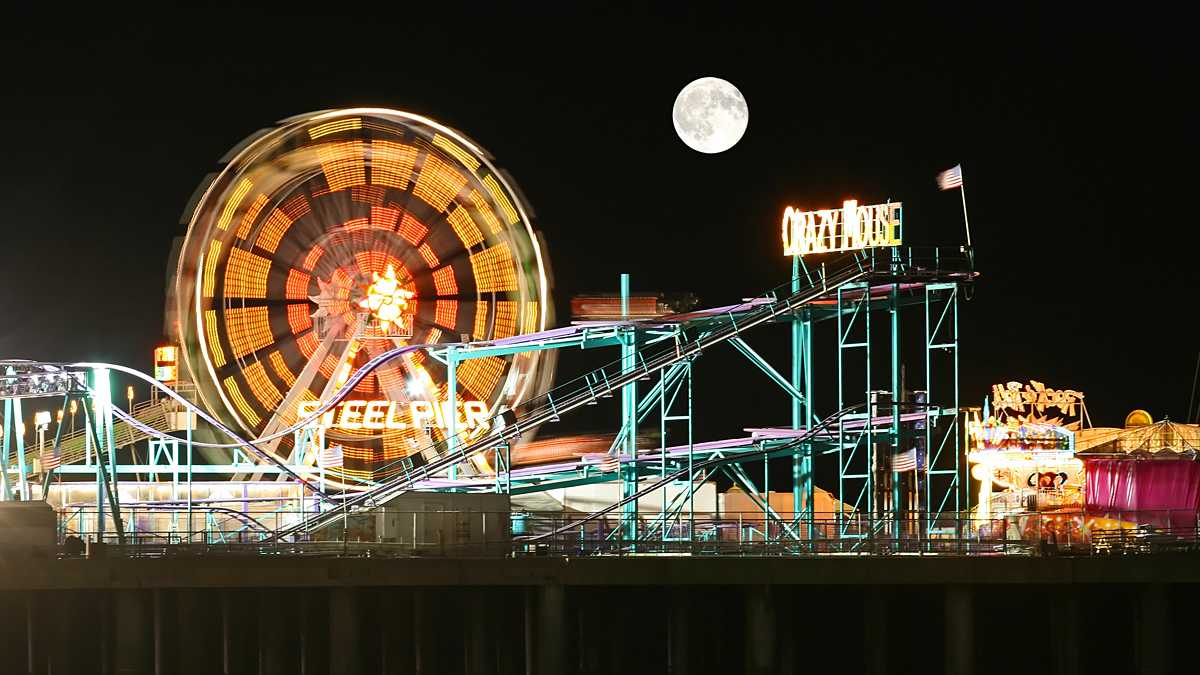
x: 1165, y: 492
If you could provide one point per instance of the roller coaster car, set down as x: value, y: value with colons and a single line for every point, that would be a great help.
x: 607, y: 307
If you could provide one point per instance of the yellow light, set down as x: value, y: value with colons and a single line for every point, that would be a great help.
x: 494, y: 269
x: 480, y: 376
x: 210, y: 268
x: 249, y: 329
x: 334, y: 127
x: 261, y: 386
x: 459, y: 154
x: 129, y: 393
x: 299, y: 318
x: 235, y: 393
x: 386, y: 299
x: 166, y: 365
x: 430, y: 257
x: 464, y: 227
x: 412, y: 229
x: 250, y: 216
x: 74, y: 406
x: 239, y: 193
x: 445, y: 314
x: 506, y: 319
x: 443, y: 281
x: 392, y: 163
x: 438, y: 183
x: 342, y: 164
x: 485, y: 210
x: 246, y: 274
x: 497, y: 193
x: 281, y: 369
x: 481, y: 321
x: 214, y: 341
x: 58, y: 416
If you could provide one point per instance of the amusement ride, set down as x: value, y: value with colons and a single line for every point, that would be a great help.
x: 361, y: 311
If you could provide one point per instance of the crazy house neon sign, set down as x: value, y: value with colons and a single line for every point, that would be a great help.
x: 849, y: 228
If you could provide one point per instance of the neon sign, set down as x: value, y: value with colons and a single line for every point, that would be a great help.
x: 380, y: 415
x: 849, y: 228
x: 1029, y: 403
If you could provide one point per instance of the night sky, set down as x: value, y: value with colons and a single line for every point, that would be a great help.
x: 1063, y: 125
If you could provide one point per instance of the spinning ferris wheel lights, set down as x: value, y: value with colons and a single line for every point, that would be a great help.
x: 336, y: 237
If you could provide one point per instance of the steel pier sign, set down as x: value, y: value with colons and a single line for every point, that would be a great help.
x: 849, y: 228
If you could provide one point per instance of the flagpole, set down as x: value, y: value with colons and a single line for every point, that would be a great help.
x: 962, y: 188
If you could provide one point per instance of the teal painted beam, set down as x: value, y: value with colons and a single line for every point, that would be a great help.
x: 766, y: 367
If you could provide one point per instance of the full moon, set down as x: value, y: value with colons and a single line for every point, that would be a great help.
x: 710, y: 115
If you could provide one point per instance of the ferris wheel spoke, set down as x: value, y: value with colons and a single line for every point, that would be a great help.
x: 284, y: 415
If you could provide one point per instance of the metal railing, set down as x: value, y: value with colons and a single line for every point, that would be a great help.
x: 406, y: 533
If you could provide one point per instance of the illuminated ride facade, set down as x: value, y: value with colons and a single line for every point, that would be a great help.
x: 337, y: 236
x: 1042, y: 475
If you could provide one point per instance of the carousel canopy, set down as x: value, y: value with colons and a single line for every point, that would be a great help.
x: 1161, y: 440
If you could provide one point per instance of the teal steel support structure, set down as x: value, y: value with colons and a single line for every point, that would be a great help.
x: 855, y: 446
x: 803, y: 490
x: 629, y: 419
x: 452, y: 404
x: 897, y: 494
x: 943, y: 435
x: 14, y: 437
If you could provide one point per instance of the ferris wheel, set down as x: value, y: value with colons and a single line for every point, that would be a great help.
x: 336, y: 236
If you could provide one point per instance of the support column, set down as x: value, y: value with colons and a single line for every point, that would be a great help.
x: 424, y: 632
x: 1153, y: 629
x: 897, y: 496
x: 198, y: 619
x: 451, y: 414
x: 1064, y: 614
x: 760, y: 631
x: 228, y: 648
x: 960, y: 630
x: 134, y: 633
x: 678, y: 649
x: 629, y: 421
x: 76, y: 642
x: 480, y: 658
x: 164, y: 631
x: 272, y: 658
x: 545, y: 615
x: 35, y: 638
x: 875, y: 629
x: 344, y: 653
x: 802, y: 486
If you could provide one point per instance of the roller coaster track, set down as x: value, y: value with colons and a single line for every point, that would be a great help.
x: 595, y: 385
x: 713, y: 327
x: 152, y: 415
x: 698, y: 467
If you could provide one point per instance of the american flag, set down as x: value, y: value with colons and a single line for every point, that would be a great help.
x: 50, y: 461
x: 330, y: 457
x: 905, y: 461
x: 950, y: 178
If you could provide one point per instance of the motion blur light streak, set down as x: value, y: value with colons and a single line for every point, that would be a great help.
x: 377, y: 209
